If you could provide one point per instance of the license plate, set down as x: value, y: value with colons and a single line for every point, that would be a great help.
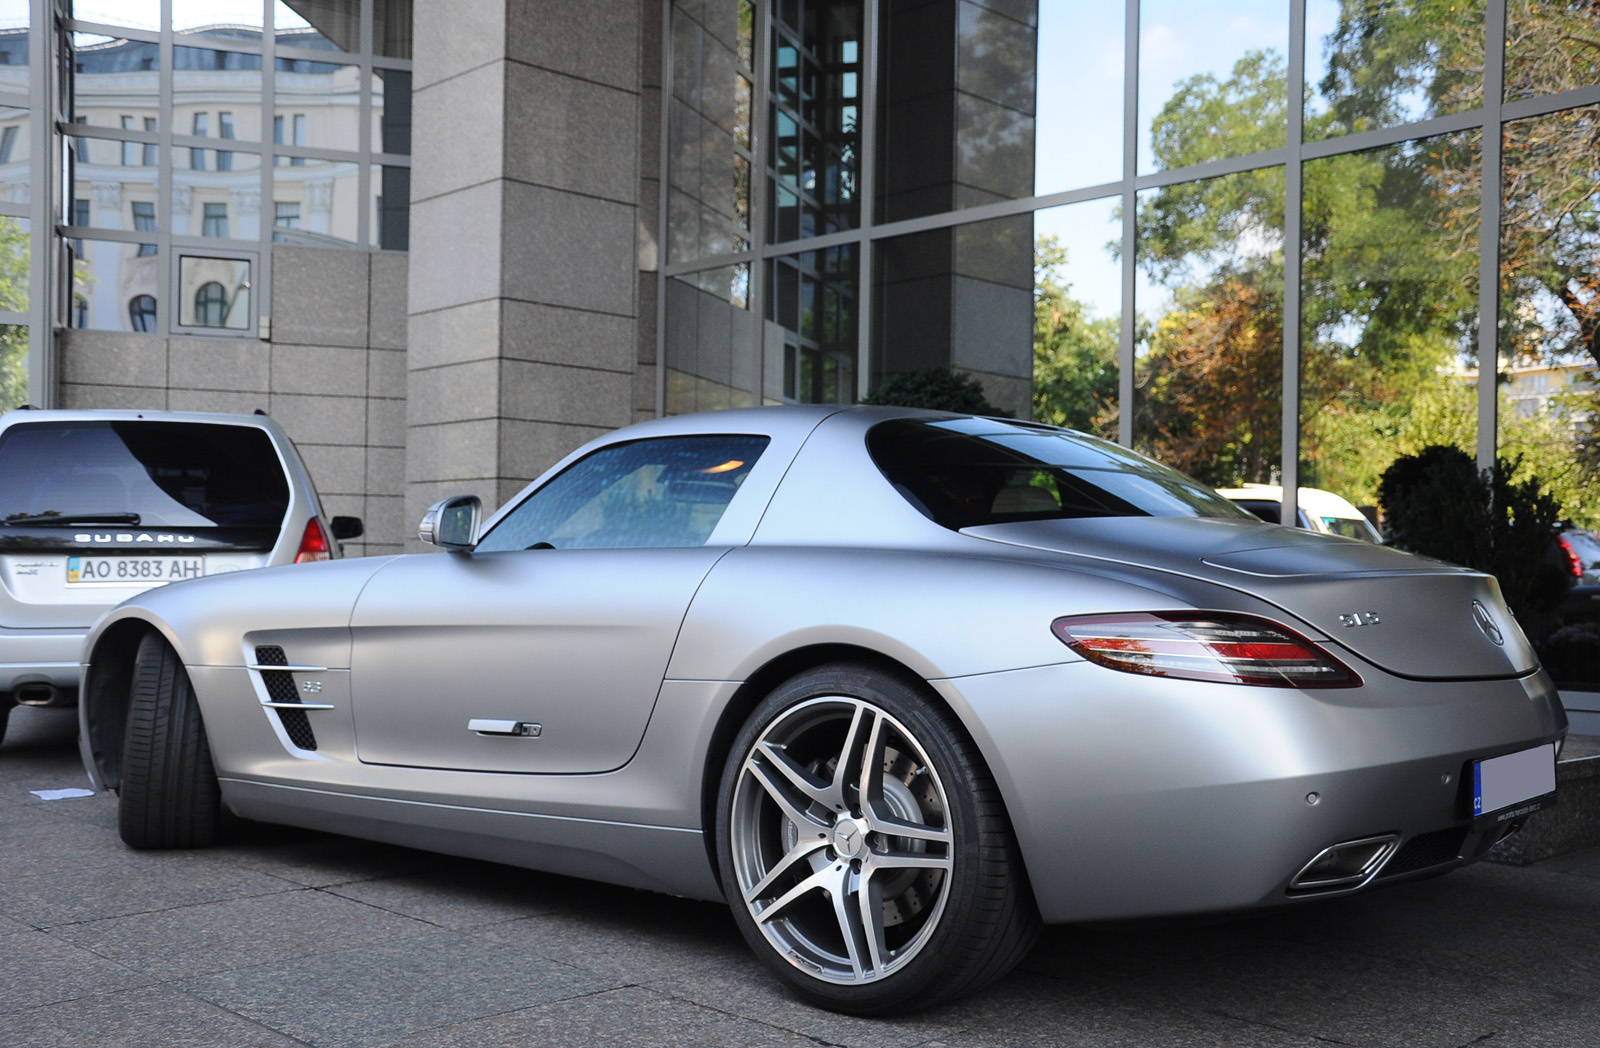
x: 1517, y: 781
x: 132, y: 571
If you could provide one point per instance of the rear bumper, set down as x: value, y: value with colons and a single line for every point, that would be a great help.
x: 41, y: 656
x: 1136, y: 797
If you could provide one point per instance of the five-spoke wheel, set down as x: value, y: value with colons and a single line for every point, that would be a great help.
x: 865, y: 843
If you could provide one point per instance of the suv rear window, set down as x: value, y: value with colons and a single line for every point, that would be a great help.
x: 140, y: 474
x: 965, y: 472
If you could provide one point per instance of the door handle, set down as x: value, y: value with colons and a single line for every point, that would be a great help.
x: 510, y: 728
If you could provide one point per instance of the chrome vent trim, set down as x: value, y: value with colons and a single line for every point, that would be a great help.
x: 276, y: 676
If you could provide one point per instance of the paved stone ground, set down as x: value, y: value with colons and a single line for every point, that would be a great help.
x: 290, y: 938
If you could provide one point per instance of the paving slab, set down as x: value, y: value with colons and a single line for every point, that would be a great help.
x: 380, y: 992
x: 38, y: 969
x: 630, y: 1015
x: 283, y: 937
x: 126, y: 882
x: 239, y: 933
x: 151, y: 1017
x: 319, y: 860
x: 466, y: 894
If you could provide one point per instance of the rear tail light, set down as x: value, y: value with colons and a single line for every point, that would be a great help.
x: 1574, y: 565
x: 1233, y: 649
x: 313, y: 544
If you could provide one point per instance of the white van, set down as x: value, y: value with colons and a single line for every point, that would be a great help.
x: 1319, y: 510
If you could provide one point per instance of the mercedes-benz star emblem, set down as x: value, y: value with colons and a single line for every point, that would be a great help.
x: 1485, y: 621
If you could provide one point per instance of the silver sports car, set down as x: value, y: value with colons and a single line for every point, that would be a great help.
x: 898, y: 685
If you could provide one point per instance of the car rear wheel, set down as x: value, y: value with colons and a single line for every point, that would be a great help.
x: 5, y: 715
x: 864, y: 846
x: 169, y: 796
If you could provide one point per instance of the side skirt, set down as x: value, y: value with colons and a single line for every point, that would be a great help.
x: 656, y: 858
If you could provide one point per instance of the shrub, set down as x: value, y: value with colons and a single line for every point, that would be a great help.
x: 938, y: 388
x: 1437, y: 503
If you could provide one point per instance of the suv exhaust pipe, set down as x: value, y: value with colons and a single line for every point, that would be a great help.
x: 42, y: 695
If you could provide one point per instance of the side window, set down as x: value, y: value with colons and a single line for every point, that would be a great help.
x: 670, y: 491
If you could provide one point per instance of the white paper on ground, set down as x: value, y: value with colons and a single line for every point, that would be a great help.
x: 60, y: 795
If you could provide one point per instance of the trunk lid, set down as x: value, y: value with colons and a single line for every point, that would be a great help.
x: 1409, y: 615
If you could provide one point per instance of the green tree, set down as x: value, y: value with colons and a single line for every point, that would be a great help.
x: 1074, y: 355
x: 13, y: 298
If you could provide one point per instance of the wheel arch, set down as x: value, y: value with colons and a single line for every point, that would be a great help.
x: 103, y: 702
x: 761, y: 683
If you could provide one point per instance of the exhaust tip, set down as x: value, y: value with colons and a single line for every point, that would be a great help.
x: 1347, y: 865
x: 37, y: 694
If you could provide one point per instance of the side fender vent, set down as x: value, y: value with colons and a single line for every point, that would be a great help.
x: 280, y: 688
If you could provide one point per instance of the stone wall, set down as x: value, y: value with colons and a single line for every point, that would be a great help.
x: 532, y: 232
x: 333, y: 376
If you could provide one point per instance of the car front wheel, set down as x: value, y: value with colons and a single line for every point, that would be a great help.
x: 864, y: 846
x: 169, y: 796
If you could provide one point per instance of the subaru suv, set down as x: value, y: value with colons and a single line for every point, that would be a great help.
x: 96, y: 506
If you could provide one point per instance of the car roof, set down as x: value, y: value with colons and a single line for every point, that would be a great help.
x: 133, y: 415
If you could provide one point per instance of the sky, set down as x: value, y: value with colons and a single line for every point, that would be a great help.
x: 1080, y: 109
x: 146, y: 14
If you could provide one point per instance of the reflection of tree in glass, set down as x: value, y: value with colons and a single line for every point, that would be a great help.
x: 1550, y: 206
x: 1209, y: 381
x: 13, y: 298
x: 1550, y: 234
x: 1393, y: 61
x: 1074, y: 356
x: 1551, y: 46
x: 1211, y: 396
x: 1389, y: 239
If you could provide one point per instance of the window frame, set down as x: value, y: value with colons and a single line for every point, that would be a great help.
x: 250, y: 320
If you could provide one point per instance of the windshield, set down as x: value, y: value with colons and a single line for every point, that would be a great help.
x: 140, y: 474
x: 1352, y: 528
x: 965, y: 472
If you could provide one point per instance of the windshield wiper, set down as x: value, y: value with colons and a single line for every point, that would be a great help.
x: 65, y: 520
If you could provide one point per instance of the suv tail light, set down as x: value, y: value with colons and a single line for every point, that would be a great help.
x: 1574, y: 565
x: 313, y: 544
x: 1211, y: 646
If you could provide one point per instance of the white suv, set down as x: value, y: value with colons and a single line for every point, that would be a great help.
x: 96, y: 506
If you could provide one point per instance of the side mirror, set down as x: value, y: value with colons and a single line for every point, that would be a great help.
x: 453, y: 523
x: 347, y: 527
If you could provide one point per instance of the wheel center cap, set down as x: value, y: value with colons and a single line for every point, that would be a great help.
x: 849, y: 838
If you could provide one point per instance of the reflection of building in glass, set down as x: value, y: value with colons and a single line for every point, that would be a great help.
x: 227, y: 195
x: 217, y: 87
x: 1547, y: 389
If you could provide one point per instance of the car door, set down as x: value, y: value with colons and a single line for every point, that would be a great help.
x: 546, y: 659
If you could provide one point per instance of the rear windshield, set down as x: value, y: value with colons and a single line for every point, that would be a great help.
x: 140, y: 474
x: 965, y: 472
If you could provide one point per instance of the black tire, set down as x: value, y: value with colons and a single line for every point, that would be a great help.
x: 5, y: 715
x: 169, y: 796
x: 947, y: 898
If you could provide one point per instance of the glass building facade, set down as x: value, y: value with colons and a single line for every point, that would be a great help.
x: 1114, y: 216
x: 152, y: 152
x: 202, y: 133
